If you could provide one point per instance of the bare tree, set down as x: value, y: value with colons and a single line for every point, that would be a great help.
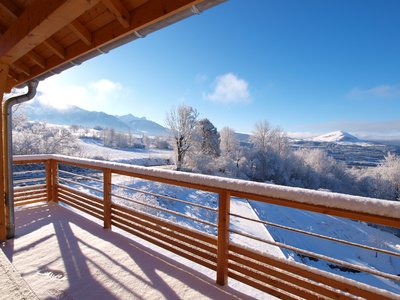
x: 181, y: 122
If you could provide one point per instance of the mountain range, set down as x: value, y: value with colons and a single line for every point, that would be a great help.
x: 73, y: 115
x: 336, y: 136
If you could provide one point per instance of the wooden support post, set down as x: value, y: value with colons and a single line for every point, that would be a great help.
x: 4, y: 69
x: 49, y: 184
x: 223, y: 237
x: 107, y: 197
x: 54, y: 180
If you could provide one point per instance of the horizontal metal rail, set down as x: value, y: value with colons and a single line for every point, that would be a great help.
x: 166, y: 197
x: 317, y: 235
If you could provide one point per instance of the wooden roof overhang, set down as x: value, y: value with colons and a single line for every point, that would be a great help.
x: 39, y: 38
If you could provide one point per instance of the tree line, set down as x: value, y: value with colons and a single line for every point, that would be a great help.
x: 200, y: 147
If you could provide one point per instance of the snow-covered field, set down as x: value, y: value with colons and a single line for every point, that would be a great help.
x: 93, y: 148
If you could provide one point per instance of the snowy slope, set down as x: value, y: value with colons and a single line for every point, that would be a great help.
x: 92, y: 148
x: 336, y: 136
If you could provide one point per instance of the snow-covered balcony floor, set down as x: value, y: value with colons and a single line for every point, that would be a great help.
x: 63, y: 255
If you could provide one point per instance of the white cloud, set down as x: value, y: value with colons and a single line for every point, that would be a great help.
x: 230, y: 89
x: 380, y: 91
x: 55, y: 93
x: 106, y: 86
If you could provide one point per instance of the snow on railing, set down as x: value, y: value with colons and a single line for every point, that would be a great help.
x: 231, y: 226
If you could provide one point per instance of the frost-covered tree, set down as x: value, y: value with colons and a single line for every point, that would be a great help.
x: 208, y: 138
x: 39, y: 138
x: 382, y: 181
x: 233, y: 156
x: 229, y: 143
x: 181, y: 122
x: 270, y: 150
x: 323, y: 172
x: 205, y: 150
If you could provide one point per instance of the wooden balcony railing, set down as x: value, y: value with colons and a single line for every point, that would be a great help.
x: 142, y: 201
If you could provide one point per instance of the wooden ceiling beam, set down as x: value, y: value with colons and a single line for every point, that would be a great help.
x: 54, y: 46
x: 81, y: 31
x: 140, y: 17
x: 39, y: 21
x: 119, y: 11
x: 21, y: 67
x: 37, y: 59
x: 10, y: 8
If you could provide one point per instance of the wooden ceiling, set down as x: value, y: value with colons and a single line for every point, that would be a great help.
x: 39, y: 38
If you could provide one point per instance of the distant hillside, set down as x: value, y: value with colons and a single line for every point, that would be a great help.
x: 73, y: 115
x: 336, y: 136
x: 143, y: 125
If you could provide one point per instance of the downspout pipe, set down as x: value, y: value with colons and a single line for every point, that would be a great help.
x: 8, y: 153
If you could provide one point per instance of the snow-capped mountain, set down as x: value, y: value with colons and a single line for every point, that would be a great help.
x: 73, y: 115
x: 146, y: 126
x: 336, y: 136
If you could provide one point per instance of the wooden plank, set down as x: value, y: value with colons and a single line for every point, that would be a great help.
x: 54, y: 180
x: 29, y: 192
x: 28, y: 197
x: 309, y: 273
x: 29, y: 188
x: 164, y: 245
x: 11, y: 8
x: 107, y: 187
x: 290, y: 277
x: 81, y: 195
x: 33, y: 201
x: 40, y: 61
x: 49, y: 180
x: 275, y: 282
x: 223, y: 237
x: 39, y: 21
x: 81, y: 204
x: 81, y: 31
x: 188, y: 239
x: 167, y: 239
x: 265, y: 288
x: 4, y: 70
x: 54, y: 46
x: 199, y: 236
x: 21, y: 67
x: 80, y: 199
x: 119, y: 11
x: 74, y: 205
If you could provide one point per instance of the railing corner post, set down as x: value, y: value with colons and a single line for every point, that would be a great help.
x: 223, y: 237
x: 51, y: 180
x: 107, y: 197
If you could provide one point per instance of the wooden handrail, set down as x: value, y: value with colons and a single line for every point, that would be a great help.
x: 226, y: 259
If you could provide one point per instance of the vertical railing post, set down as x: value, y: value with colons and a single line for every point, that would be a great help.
x: 223, y: 237
x: 49, y: 183
x: 54, y: 180
x: 4, y: 70
x: 107, y: 197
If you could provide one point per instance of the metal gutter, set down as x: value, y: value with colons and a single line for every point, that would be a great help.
x: 8, y: 154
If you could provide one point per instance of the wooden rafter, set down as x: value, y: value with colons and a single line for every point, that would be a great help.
x: 99, y: 24
x: 10, y: 8
x: 81, y: 31
x: 21, y: 67
x: 39, y: 21
x: 54, y: 46
x: 37, y: 58
x: 119, y: 10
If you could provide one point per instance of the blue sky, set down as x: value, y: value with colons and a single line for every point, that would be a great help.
x: 309, y: 66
